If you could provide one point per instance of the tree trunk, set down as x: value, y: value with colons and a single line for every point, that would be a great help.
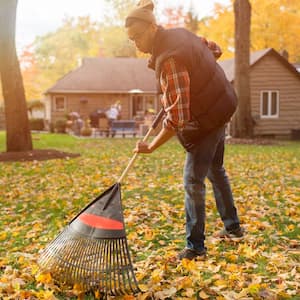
x: 242, y: 122
x: 18, y: 136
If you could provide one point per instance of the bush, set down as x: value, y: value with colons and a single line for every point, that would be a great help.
x: 60, y: 126
x: 36, y: 124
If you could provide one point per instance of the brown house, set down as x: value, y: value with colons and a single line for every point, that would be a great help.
x: 275, y: 94
x: 100, y: 82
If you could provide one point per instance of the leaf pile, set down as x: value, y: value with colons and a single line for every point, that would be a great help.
x: 39, y: 198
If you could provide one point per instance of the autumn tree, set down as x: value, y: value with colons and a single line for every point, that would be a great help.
x: 30, y: 73
x: 18, y: 136
x: 220, y: 28
x: 117, y: 11
x: 173, y: 17
x: 243, y: 124
x: 115, y: 41
x: 192, y: 21
x: 274, y: 24
x: 57, y: 53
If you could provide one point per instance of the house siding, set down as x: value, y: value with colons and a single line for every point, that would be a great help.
x: 269, y: 74
x: 85, y: 104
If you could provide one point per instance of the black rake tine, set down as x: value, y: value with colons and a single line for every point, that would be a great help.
x: 131, y: 269
x: 118, y: 267
x: 126, y: 265
x: 122, y: 263
x: 107, y: 283
x: 102, y: 262
x: 112, y: 263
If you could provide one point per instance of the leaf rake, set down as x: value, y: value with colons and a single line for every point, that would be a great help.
x: 92, y: 250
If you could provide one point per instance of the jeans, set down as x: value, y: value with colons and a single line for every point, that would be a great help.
x: 206, y: 160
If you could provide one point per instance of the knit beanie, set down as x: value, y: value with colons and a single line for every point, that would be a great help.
x: 143, y: 12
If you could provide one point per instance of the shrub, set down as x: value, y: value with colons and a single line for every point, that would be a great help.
x: 36, y: 124
x: 60, y: 125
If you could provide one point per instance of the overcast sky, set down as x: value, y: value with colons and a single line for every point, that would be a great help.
x: 38, y: 17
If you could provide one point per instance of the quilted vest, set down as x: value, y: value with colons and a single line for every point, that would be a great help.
x: 213, y: 100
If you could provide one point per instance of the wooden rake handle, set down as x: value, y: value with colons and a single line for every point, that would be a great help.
x: 149, y: 132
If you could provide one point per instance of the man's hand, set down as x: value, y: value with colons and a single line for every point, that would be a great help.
x: 142, y: 147
x: 163, y: 136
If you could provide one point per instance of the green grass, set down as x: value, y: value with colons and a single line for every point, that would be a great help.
x: 37, y: 199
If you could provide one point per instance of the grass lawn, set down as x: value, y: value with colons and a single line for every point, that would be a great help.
x: 37, y: 199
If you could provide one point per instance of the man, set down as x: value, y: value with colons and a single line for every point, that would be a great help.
x: 198, y: 101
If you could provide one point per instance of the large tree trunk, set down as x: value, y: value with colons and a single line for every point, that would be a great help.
x: 18, y: 136
x: 242, y: 122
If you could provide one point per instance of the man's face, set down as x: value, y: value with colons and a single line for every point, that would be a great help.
x: 142, y: 35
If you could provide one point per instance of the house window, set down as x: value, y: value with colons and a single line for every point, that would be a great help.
x: 59, y: 103
x: 269, y: 104
x: 141, y: 103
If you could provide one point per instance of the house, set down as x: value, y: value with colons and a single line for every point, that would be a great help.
x: 297, y: 66
x: 101, y: 82
x: 275, y: 94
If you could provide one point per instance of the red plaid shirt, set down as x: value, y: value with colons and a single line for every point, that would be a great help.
x: 175, y: 85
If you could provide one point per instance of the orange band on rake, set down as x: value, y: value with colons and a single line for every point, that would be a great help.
x: 101, y: 222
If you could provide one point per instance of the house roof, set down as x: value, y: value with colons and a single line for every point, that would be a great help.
x: 107, y: 75
x: 255, y: 57
x: 125, y: 75
x: 297, y: 66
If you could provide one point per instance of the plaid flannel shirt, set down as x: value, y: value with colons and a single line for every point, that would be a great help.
x: 175, y: 85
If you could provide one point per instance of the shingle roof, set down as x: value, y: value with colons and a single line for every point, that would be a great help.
x: 228, y: 65
x: 107, y: 75
x: 123, y: 74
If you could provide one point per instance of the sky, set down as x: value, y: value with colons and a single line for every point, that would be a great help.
x: 38, y: 17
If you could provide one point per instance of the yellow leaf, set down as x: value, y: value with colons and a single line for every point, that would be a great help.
x: 156, y: 276
x: 232, y: 257
x: 97, y: 294
x: 3, y: 236
x: 21, y: 260
x: 232, y: 268
x: 78, y: 290
x: 128, y: 297
x: 143, y: 287
x: 189, y: 292
x: 44, y: 295
x: 203, y: 295
x: 189, y: 265
x: 44, y: 278
x: 184, y: 283
x: 144, y: 296
x: 220, y: 283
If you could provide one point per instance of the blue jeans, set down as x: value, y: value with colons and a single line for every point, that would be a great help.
x: 206, y: 160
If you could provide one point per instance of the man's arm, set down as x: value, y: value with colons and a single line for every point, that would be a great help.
x: 164, y: 135
x: 175, y: 83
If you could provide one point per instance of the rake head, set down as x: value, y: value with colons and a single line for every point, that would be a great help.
x: 92, y: 251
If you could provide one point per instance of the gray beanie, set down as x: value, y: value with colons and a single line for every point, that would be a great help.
x: 143, y: 12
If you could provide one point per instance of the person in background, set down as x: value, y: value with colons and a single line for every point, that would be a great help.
x: 198, y: 101
x: 112, y: 114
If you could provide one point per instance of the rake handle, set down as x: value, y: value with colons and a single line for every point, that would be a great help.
x: 145, y: 138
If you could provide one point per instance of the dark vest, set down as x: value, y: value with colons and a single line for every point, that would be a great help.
x: 213, y: 100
